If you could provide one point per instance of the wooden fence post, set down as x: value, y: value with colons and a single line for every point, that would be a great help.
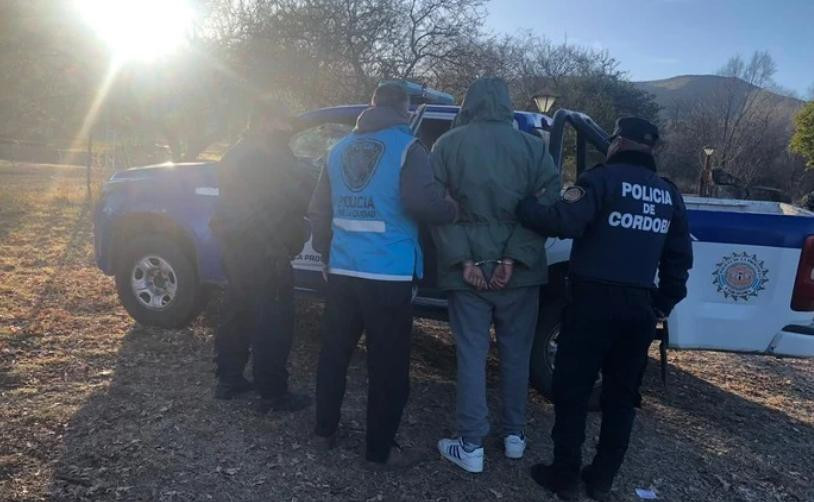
x: 89, y: 164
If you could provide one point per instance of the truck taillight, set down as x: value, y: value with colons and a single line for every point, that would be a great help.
x: 802, y: 300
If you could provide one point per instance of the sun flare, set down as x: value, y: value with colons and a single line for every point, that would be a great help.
x: 139, y: 29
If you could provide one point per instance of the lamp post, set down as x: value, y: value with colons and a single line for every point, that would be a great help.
x: 544, y: 100
x: 705, y: 183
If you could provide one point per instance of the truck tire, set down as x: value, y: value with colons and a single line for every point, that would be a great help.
x: 544, y: 350
x: 157, y: 282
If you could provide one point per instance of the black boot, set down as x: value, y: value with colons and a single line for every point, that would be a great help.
x: 563, y: 484
x: 288, y: 402
x: 596, y: 487
x: 399, y: 459
x: 227, y: 389
x: 325, y: 443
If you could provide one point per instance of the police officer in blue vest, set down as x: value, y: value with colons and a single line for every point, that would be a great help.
x: 629, y: 225
x: 377, y: 185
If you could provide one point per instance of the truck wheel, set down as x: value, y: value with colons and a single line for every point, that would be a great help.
x: 157, y: 282
x: 544, y: 352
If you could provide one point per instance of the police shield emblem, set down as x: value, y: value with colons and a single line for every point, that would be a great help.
x: 740, y: 276
x: 359, y: 162
x: 573, y: 194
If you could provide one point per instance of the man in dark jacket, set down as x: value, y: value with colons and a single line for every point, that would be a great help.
x: 627, y: 223
x: 491, y: 266
x: 259, y: 225
x: 376, y: 186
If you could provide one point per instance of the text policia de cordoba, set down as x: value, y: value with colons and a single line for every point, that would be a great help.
x: 356, y: 206
x: 647, y: 221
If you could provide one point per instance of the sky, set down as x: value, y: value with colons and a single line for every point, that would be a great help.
x: 656, y: 39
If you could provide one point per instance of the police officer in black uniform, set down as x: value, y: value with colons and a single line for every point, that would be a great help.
x: 628, y: 223
x: 259, y: 225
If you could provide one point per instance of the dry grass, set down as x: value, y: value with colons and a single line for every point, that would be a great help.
x: 93, y: 407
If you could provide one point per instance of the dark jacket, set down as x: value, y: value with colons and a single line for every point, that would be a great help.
x: 263, y: 199
x: 627, y: 223
x: 488, y: 166
x: 422, y: 196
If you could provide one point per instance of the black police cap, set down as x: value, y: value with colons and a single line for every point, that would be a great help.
x: 390, y: 94
x: 636, y: 129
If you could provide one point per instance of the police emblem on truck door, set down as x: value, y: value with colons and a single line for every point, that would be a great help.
x: 740, y: 276
x: 359, y: 161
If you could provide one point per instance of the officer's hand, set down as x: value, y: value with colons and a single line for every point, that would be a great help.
x: 325, y: 273
x: 502, y: 274
x: 660, y: 316
x: 473, y: 276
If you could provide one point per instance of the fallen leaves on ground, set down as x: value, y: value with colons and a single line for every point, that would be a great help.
x: 94, y: 407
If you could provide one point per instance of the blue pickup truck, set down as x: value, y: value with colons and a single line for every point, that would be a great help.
x: 751, y: 289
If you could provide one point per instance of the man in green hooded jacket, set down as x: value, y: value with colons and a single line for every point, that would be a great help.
x: 490, y: 265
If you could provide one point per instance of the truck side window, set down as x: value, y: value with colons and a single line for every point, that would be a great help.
x: 593, y: 156
x: 431, y: 129
x: 311, y: 145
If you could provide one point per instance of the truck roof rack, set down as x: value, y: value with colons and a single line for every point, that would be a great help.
x: 421, y: 94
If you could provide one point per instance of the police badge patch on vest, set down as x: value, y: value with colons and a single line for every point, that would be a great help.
x: 573, y: 194
x: 359, y: 161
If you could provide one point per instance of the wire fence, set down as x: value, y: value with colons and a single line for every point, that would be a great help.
x: 99, y: 158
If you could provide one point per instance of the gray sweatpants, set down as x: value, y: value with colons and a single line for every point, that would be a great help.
x: 514, y: 314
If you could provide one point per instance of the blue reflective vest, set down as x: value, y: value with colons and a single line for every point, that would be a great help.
x: 373, y: 238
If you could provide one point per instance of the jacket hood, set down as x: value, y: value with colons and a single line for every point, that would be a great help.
x: 487, y: 99
x: 377, y: 118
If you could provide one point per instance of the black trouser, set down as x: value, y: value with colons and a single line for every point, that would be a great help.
x: 607, y: 328
x: 383, y: 309
x: 258, y: 315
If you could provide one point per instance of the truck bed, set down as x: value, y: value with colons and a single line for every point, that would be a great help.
x: 744, y: 206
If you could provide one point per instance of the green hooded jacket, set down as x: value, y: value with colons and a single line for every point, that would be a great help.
x: 488, y: 166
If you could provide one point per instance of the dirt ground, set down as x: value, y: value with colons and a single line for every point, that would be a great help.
x: 94, y: 407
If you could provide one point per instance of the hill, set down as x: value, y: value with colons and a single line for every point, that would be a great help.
x: 674, y: 91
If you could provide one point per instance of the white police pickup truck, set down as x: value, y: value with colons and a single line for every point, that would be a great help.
x: 751, y: 288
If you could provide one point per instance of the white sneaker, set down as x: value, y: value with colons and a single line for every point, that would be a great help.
x: 514, y: 446
x: 453, y: 450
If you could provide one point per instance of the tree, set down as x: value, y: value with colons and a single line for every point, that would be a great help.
x: 50, y: 71
x: 329, y: 51
x: 802, y: 142
x: 584, y: 79
x: 737, y: 117
x: 308, y: 53
x: 742, y: 110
